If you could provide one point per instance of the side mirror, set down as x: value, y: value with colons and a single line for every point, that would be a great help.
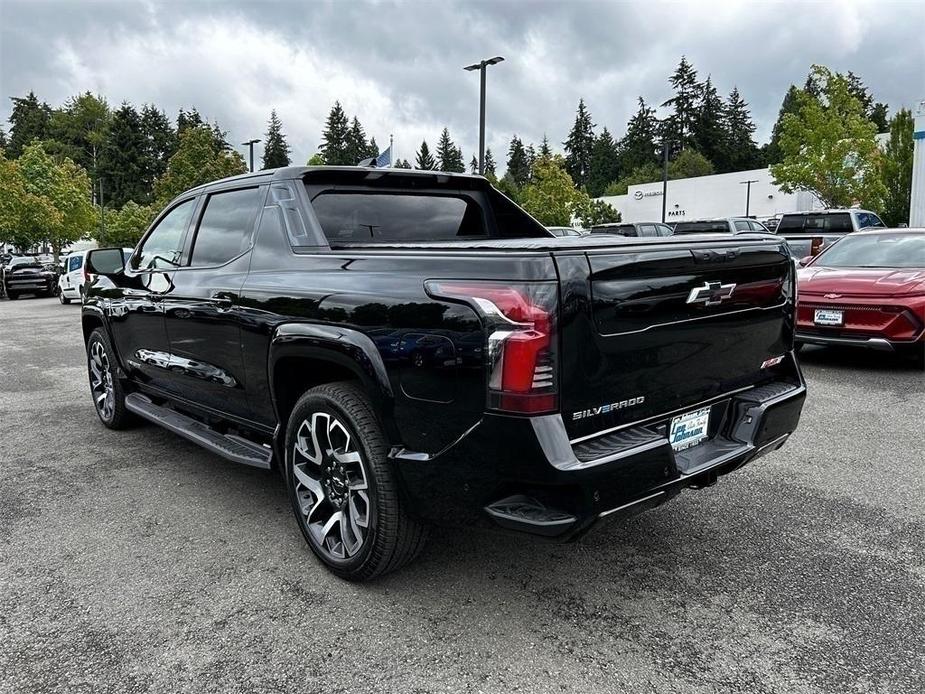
x: 805, y: 260
x: 106, y: 261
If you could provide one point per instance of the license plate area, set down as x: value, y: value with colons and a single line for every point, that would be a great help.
x: 824, y: 316
x: 689, y: 429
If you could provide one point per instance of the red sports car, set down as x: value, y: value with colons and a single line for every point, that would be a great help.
x: 866, y: 290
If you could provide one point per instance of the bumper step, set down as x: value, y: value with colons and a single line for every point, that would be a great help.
x: 230, y: 447
x: 520, y: 512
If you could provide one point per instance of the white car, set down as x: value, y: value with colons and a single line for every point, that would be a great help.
x: 70, y: 283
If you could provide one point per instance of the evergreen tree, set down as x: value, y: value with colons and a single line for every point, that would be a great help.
x: 372, y: 149
x: 545, y: 150
x: 160, y: 144
x: 740, y: 153
x: 679, y: 126
x: 879, y: 116
x: 424, y: 159
x: 518, y: 165
x: 402, y: 164
x: 490, y: 168
x: 578, y: 147
x: 28, y: 122
x: 638, y: 147
x: 473, y: 163
x: 188, y: 119
x: 357, y: 147
x: 896, y: 169
x: 605, y: 164
x: 123, y: 159
x: 276, y: 150
x: 3, y: 142
x: 790, y: 104
x: 335, y: 139
x: 708, y: 131
x: 449, y: 156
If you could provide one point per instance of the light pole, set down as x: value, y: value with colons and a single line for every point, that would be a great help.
x: 748, y: 193
x: 480, y: 66
x: 250, y: 146
x: 664, y: 178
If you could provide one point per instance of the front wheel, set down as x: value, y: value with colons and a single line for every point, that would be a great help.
x: 342, y: 487
x: 105, y: 387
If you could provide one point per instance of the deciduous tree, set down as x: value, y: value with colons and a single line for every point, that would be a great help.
x: 551, y: 197
x: 828, y: 147
x: 199, y: 159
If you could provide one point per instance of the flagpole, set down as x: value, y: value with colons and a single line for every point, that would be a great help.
x: 390, y: 150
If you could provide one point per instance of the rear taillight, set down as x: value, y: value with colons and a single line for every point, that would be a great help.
x: 520, y: 320
x: 816, y: 245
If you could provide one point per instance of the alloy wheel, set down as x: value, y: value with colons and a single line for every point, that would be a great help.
x: 101, y: 381
x: 330, y: 482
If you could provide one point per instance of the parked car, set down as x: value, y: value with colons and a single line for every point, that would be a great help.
x: 723, y: 225
x: 409, y: 348
x: 771, y: 223
x: 28, y: 275
x: 808, y: 233
x: 866, y: 290
x: 564, y: 231
x: 651, y: 229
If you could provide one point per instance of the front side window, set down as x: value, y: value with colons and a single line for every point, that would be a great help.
x: 715, y: 227
x: 161, y: 250
x: 742, y: 225
x: 397, y: 217
x: 647, y: 230
x: 664, y: 230
x: 758, y: 226
x: 74, y: 263
x: 226, y: 226
x: 867, y: 220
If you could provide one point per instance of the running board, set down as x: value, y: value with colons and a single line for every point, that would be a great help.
x: 230, y: 447
x: 524, y: 513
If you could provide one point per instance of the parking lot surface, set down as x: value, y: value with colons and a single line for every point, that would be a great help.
x: 136, y: 562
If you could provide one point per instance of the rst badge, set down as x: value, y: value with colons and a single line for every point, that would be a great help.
x: 610, y: 407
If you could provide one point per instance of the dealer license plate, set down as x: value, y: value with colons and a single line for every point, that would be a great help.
x: 689, y: 429
x: 828, y: 317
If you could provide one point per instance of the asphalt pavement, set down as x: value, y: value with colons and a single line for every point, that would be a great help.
x: 136, y: 562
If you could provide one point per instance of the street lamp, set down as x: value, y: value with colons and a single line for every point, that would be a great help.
x: 748, y: 193
x: 250, y: 146
x: 665, y: 145
x: 480, y: 66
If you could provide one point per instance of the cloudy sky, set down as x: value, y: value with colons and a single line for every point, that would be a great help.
x: 398, y: 66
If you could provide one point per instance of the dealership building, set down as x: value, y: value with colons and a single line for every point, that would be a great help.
x: 720, y: 195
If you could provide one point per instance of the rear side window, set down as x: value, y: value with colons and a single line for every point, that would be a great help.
x: 838, y: 222
x: 397, y: 217
x: 226, y: 226
x: 790, y: 222
x: 720, y: 226
x: 621, y: 229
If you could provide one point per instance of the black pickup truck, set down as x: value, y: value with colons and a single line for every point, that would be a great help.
x: 411, y: 348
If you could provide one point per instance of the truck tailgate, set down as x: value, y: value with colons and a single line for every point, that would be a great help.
x: 648, y: 331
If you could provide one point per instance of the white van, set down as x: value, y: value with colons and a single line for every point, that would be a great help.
x: 70, y: 283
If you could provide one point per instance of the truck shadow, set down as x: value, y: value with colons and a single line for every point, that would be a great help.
x: 870, y: 360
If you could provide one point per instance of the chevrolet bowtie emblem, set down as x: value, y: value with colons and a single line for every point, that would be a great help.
x: 711, y: 293
x: 833, y: 296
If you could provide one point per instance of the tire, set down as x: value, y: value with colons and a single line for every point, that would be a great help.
x: 63, y: 299
x: 12, y: 296
x: 105, y: 388
x: 339, y: 477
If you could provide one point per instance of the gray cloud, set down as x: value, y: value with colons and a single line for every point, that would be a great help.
x: 397, y: 66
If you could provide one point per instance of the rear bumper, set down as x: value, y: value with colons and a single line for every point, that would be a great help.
x: 522, y: 473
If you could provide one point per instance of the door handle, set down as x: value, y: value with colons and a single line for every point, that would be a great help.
x: 220, y: 301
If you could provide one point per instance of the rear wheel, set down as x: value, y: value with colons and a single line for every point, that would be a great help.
x: 63, y: 299
x: 12, y: 296
x: 797, y: 347
x: 342, y: 487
